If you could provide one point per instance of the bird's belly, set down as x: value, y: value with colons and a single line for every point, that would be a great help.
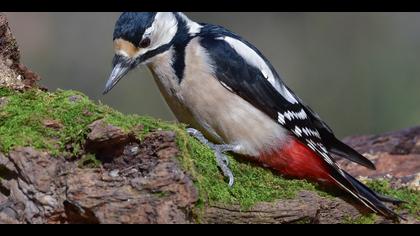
x: 233, y: 119
x: 227, y: 118
x: 222, y: 116
x: 202, y: 102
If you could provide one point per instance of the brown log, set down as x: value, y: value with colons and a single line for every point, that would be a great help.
x: 141, y: 181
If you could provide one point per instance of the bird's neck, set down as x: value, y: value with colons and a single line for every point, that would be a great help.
x: 162, y: 69
x: 167, y: 63
x: 192, y: 27
x: 169, y: 60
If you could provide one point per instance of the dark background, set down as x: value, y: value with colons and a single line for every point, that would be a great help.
x: 359, y: 71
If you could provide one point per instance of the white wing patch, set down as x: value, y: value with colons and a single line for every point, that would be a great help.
x: 310, y: 132
x: 290, y: 115
x: 298, y: 131
x: 252, y: 58
x: 280, y: 118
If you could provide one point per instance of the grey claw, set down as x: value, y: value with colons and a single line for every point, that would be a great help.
x: 231, y: 180
x: 223, y: 163
x: 222, y: 160
x: 227, y: 173
x: 226, y: 161
x: 192, y: 131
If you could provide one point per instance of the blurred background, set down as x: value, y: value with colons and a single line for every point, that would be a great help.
x: 359, y: 71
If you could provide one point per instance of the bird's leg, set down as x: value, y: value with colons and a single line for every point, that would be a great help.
x: 219, y: 150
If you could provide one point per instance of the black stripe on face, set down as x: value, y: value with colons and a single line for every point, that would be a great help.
x: 178, y: 43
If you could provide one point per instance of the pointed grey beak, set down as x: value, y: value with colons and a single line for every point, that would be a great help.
x: 121, y: 67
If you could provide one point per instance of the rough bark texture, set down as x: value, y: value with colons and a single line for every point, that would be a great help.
x: 395, y: 154
x: 12, y: 73
x: 307, y: 207
x: 142, y: 182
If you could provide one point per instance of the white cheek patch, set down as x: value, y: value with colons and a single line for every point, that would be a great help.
x: 161, y: 32
x: 252, y: 58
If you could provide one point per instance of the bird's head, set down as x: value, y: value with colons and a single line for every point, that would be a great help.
x: 138, y: 37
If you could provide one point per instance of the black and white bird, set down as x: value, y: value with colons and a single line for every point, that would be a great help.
x: 229, y: 93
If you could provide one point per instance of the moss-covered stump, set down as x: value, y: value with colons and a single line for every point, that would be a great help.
x: 68, y: 160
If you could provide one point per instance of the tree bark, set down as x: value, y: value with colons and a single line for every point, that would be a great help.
x: 141, y: 181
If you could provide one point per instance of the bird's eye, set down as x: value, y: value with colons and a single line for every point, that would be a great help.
x: 144, y: 43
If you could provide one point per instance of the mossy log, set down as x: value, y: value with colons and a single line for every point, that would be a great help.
x: 67, y: 159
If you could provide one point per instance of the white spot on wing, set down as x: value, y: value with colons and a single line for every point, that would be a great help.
x: 310, y: 132
x: 255, y: 60
x: 281, y: 118
x: 290, y: 115
x: 298, y: 131
x: 311, y: 146
x: 302, y: 115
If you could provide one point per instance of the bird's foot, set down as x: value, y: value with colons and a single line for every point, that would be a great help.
x: 219, y: 150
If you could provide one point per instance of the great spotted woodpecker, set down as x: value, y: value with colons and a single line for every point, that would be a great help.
x: 229, y: 93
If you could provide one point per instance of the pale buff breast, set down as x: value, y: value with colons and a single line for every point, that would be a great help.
x: 203, y: 102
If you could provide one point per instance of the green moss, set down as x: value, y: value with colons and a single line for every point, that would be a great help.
x: 411, y: 197
x: 89, y: 161
x: 364, y: 219
x: 252, y: 183
x: 22, y: 120
x: 22, y: 124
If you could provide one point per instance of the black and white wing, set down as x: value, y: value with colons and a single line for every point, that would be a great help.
x: 242, y: 68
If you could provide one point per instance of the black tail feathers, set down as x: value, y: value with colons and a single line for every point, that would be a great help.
x: 373, y: 200
x: 341, y: 149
